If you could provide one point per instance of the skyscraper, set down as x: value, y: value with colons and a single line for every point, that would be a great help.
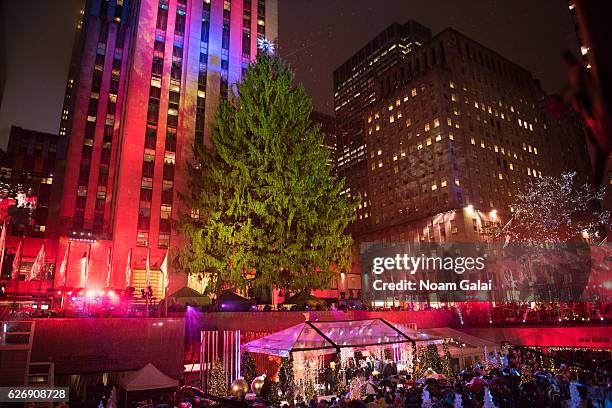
x: 145, y: 80
x: 355, y: 90
x: 454, y: 132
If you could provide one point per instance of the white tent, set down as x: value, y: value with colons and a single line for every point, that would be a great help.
x: 147, y: 378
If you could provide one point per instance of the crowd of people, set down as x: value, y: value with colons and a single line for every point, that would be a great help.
x: 502, y: 388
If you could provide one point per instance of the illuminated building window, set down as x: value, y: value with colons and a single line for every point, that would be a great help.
x: 500, y: 176
x: 482, y: 144
x: 147, y: 183
x: 169, y: 157
x: 428, y: 141
x: 511, y: 166
x: 426, y: 127
x: 438, y: 138
x: 408, y: 122
x: 436, y: 122
x: 380, y: 164
x: 391, y: 107
x: 142, y: 238
x: 454, y: 97
x: 370, y: 119
x: 376, y: 115
x: 434, y: 187
x: 414, y: 92
x: 451, y: 136
x: 457, y: 183
x: 397, y: 102
x: 535, y: 150
x: 443, y: 182
x: 419, y: 146
x: 452, y: 84
x: 379, y: 152
x: 149, y: 155
x: 399, y: 115
x: 391, y: 119
x: 496, y: 149
x: 165, y: 212
x: 449, y: 122
x: 377, y: 127
x: 472, y: 141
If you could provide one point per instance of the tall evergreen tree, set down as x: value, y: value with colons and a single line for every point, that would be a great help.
x: 266, y: 209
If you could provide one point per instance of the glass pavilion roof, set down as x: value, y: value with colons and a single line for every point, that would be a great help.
x: 328, y: 337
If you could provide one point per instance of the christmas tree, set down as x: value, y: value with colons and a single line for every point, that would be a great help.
x: 269, y: 392
x: 247, y: 367
x: 216, y: 383
x: 448, y: 364
x: 265, y: 207
x: 428, y: 358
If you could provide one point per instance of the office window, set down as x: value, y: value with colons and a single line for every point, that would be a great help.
x: 142, y: 238
x: 147, y: 183
x: 163, y: 241
x: 166, y: 212
x: 149, y: 155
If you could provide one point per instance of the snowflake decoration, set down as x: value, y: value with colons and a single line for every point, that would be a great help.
x: 265, y: 45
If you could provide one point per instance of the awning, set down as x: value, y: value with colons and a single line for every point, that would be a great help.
x: 147, y: 378
x: 464, y: 344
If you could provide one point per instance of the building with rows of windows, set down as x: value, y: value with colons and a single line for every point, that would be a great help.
x: 451, y: 132
x: 145, y: 80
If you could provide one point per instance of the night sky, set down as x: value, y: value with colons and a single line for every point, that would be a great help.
x: 316, y: 36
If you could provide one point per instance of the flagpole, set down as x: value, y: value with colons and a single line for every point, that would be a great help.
x: 3, y: 238
x: 18, y: 256
x: 65, y: 277
x: 67, y: 262
x: 44, y: 264
x: 87, y: 266
x: 109, y: 266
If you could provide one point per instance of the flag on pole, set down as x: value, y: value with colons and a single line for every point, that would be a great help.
x: 17, y: 260
x: 86, y: 266
x: 2, y: 244
x: 164, y: 270
x: 148, y: 268
x: 38, y: 265
x: 108, y: 267
x: 63, y: 266
x: 128, y: 270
